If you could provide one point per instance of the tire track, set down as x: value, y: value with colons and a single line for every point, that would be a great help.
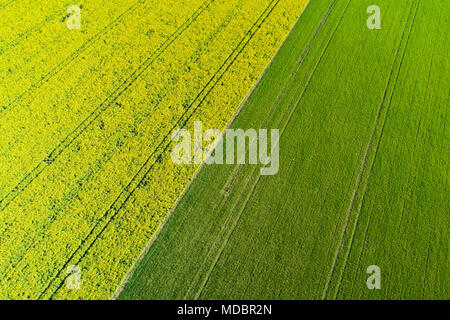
x: 219, y: 242
x: 250, y: 195
x: 24, y: 35
x: 410, y: 179
x: 364, y: 162
x: 50, y: 219
x: 125, y: 195
x: 228, y: 237
x: 350, y: 183
x: 70, y: 58
x: 372, y: 162
x: 360, y: 256
x: 227, y: 185
x: 67, y: 141
x: 287, y: 82
x: 316, y: 32
x: 365, y: 174
x: 7, y: 3
x: 303, y: 56
x: 349, y: 186
x: 317, y: 64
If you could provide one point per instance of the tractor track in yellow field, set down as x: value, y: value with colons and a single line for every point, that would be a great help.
x: 148, y: 165
x: 67, y: 141
x: 70, y: 58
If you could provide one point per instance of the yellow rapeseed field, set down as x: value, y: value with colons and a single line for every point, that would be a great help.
x: 86, y: 117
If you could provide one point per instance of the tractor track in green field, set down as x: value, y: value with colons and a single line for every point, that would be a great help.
x: 127, y: 192
x: 370, y: 154
x: 47, y: 164
x: 377, y: 146
x: 319, y: 60
x: 296, y: 103
x: 435, y: 217
x: 228, y: 236
x: 217, y: 241
x: 316, y: 33
x: 323, y: 20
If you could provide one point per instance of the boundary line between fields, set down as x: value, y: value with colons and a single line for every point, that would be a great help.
x: 130, y: 273
x: 250, y: 195
x: 71, y: 57
x: 126, y: 193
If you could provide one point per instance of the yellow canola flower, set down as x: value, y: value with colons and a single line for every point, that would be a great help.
x: 105, y: 195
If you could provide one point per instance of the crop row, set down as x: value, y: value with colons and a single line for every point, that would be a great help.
x: 105, y: 194
x: 49, y: 113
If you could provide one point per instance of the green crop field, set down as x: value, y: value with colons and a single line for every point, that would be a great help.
x: 363, y: 177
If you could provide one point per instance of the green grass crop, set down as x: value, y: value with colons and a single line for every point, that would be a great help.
x: 363, y: 174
